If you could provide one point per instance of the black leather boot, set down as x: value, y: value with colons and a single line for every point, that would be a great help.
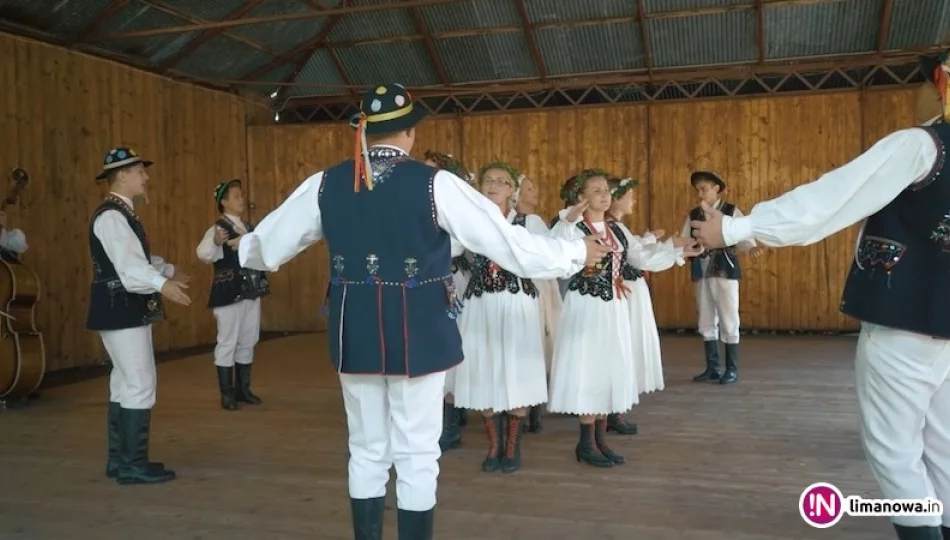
x: 451, y: 436
x: 732, y: 360
x: 619, y: 424
x: 134, y: 467
x: 946, y: 532
x: 533, y: 425
x: 600, y: 438
x: 917, y: 533
x: 587, y: 451
x: 368, y: 518
x: 711, y: 373
x: 414, y: 525
x: 242, y: 394
x: 494, y: 428
x: 226, y: 386
x: 511, y: 457
x: 463, y: 416
x: 115, y: 442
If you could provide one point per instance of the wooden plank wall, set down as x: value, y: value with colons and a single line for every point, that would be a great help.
x: 60, y: 112
x: 762, y: 146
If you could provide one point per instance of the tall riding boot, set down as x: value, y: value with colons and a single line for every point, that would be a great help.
x: 511, y: 459
x: 451, y: 436
x: 587, y: 451
x: 463, y: 416
x: 226, y: 386
x: 732, y: 359
x: 600, y: 438
x: 494, y: 428
x: 712, y: 373
x: 368, y: 518
x: 533, y: 425
x: 619, y: 424
x: 917, y: 533
x: 414, y: 525
x: 134, y: 468
x: 115, y: 442
x: 242, y: 393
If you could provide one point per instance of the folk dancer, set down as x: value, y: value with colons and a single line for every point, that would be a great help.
x: 453, y: 418
x: 716, y: 274
x: 594, y: 373
x: 124, y: 302
x: 503, y: 374
x: 235, y: 298
x: 388, y: 221
x: 897, y: 288
x: 549, y: 295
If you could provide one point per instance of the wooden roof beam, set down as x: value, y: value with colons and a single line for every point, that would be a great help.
x: 645, y: 36
x: 423, y: 29
x: 299, y: 54
x: 92, y: 26
x: 760, y: 30
x: 207, y: 35
x: 530, y: 37
x: 885, y: 26
x: 323, y: 38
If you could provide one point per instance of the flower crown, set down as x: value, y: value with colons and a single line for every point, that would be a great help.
x: 449, y: 163
x: 576, y: 183
x: 620, y: 187
x: 516, y: 175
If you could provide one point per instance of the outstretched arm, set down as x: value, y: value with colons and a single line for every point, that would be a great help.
x: 477, y: 224
x: 651, y: 256
x: 840, y: 198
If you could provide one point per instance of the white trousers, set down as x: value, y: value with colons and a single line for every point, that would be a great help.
x: 717, y: 302
x: 394, y: 421
x: 133, y: 379
x: 904, y: 402
x: 239, y: 329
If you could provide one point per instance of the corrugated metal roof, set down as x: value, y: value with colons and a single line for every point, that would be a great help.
x: 587, y: 49
x: 403, y: 62
x: 656, y: 6
x: 209, y: 10
x: 285, y: 35
x: 223, y: 58
x: 546, y: 11
x: 366, y: 26
x: 916, y: 23
x: 63, y: 17
x: 718, y: 38
x: 136, y: 16
x: 471, y: 14
x: 844, y: 27
x: 319, y: 69
x: 487, y: 57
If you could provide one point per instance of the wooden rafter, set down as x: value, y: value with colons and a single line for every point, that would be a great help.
x: 158, y: 5
x: 302, y: 60
x: 885, y: 26
x: 531, y: 39
x: 760, y: 30
x: 107, y: 13
x: 207, y: 35
x: 299, y: 54
x: 423, y: 29
x: 645, y: 35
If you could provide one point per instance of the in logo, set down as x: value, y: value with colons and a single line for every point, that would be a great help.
x: 821, y: 505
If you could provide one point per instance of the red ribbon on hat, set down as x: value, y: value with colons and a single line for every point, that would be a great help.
x: 361, y: 167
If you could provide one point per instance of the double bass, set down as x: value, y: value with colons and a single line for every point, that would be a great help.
x: 22, y: 353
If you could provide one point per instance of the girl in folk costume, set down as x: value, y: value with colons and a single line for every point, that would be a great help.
x: 548, y: 294
x: 503, y: 374
x: 453, y: 418
x: 594, y: 373
x: 235, y: 297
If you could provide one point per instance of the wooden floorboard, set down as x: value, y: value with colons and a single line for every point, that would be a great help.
x: 710, y: 462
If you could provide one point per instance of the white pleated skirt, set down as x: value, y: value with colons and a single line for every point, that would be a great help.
x: 647, y: 359
x: 504, y: 354
x: 593, y: 372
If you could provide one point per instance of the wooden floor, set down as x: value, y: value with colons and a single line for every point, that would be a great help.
x: 710, y: 462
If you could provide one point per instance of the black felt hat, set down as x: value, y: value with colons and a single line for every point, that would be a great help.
x: 930, y: 63
x: 120, y: 158
x: 388, y: 109
x: 698, y: 176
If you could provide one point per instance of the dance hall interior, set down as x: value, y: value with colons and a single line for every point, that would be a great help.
x: 764, y: 95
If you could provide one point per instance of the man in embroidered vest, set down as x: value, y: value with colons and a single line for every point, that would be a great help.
x: 389, y: 221
x: 898, y: 287
x: 124, y: 301
x: 716, y: 274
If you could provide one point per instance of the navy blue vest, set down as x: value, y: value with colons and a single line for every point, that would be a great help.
x: 901, y: 276
x: 111, y: 307
x: 723, y: 263
x: 488, y: 277
x: 392, y: 300
x: 231, y: 282
x: 597, y: 282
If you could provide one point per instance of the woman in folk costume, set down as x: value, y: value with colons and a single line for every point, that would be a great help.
x: 548, y: 294
x: 453, y: 418
x: 594, y: 373
x: 503, y: 374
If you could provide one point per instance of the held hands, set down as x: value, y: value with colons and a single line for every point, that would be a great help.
x: 596, y: 250
x: 233, y: 243
x: 181, y: 278
x: 173, y: 291
x: 220, y: 236
x: 576, y: 211
x: 709, y: 232
x: 757, y: 252
x: 658, y: 234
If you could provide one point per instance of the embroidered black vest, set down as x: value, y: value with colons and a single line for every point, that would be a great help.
x: 392, y: 304
x: 723, y: 263
x: 488, y: 277
x: 111, y: 307
x: 231, y: 282
x: 901, y: 275
x: 599, y: 282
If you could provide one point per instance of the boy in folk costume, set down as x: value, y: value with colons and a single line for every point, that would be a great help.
x: 897, y: 288
x: 716, y: 274
x: 124, y: 301
x: 503, y: 375
x: 594, y: 372
x: 389, y: 221
x: 235, y: 297
x: 453, y: 418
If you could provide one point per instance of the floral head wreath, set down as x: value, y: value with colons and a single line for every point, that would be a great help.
x: 513, y: 172
x: 576, y: 183
x: 619, y: 187
x: 449, y: 163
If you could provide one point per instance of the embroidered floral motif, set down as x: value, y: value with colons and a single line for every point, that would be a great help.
x: 598, y: 282
x: 488, y: 277
x: 451, y: 295
x: 383, y: 161
x: 941, y: 234
x: 412, y: 269
x: 338, y: 269
x: 876, y: 251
